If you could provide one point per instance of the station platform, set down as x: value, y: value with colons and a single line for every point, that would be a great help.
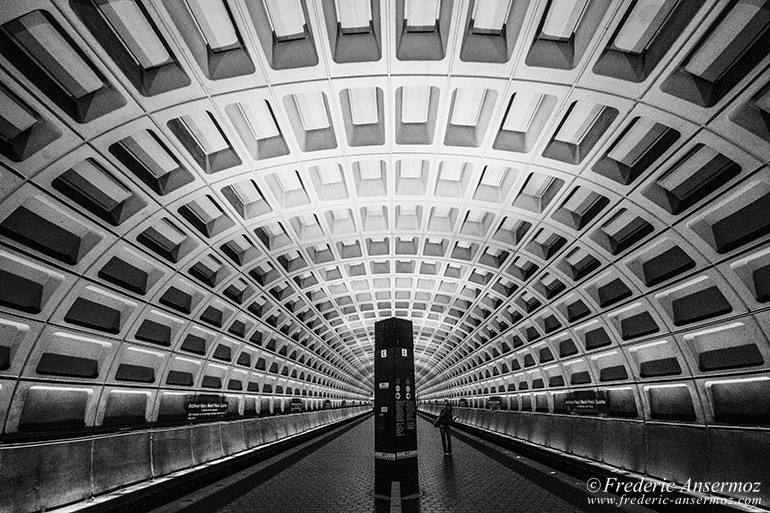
x: 334, y: 474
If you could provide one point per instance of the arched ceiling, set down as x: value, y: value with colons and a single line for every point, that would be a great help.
x: 505, y: 175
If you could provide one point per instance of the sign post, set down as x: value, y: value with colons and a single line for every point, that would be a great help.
x: 395, y: 424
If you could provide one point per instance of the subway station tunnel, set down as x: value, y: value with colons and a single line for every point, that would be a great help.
x: 219, y: 198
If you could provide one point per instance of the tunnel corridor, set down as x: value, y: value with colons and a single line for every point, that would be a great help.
x: 206, y: 205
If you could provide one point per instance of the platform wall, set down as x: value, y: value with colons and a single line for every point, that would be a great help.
x: 661, y: 450
x: 41, y: 476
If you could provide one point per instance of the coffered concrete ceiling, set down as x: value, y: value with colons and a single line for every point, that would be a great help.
x: 227, y: 195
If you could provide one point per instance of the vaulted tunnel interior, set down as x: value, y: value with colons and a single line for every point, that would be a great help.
x: 221, y: 197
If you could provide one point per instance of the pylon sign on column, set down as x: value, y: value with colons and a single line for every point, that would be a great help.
x: 395, y: 407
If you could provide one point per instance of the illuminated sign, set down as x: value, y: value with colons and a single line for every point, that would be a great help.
x: 211, y: 408
x: 587, y: 402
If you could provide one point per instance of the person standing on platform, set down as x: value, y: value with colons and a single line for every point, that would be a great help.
x: 443, y: 422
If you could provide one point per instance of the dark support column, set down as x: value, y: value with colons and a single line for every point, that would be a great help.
x: 395, y: 425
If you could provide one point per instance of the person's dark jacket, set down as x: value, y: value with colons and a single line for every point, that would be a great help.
x: 445, y: 418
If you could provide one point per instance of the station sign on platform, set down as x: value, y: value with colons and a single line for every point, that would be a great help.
x: 209, y: 407
x: 587, y: 402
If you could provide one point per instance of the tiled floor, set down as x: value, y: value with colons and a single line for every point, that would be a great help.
x: 339, y: 476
